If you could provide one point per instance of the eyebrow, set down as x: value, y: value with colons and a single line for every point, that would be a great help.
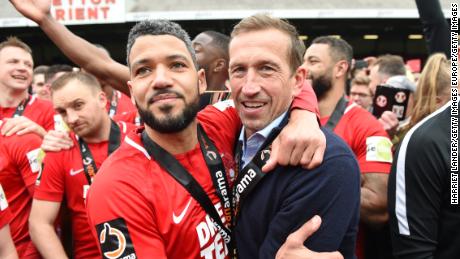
x: 71, y: 103
x: 168, y: 58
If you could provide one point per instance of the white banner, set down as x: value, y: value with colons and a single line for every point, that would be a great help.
x: 88, y: 11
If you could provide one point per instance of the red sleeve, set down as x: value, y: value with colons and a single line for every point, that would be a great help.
x: 374, y: 148
x: 120, y: 202
x: 50, y: 183
x: 306, y: 100
x: 221, y: 121
x: 5, y: 214
x: 26, y: 154
x: 46, y: 114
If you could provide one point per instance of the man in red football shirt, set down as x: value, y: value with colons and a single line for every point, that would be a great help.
x: 21, y: 112
x: 79, y: 99
x: 328, y: 60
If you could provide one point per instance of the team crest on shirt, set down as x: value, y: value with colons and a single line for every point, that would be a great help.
x: 3, y: 200
x: 114, y: 240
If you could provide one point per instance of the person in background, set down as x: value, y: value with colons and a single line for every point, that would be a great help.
x: 21, y: 112
x: 67, y: 174
x: 424, y: 222
x: 211, y: 50
x: 38, y: 83
x: 328, y: 60
x: 360, y: 93
x: 383, y: 68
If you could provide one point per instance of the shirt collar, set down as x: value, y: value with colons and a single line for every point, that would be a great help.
x: 263, y: 132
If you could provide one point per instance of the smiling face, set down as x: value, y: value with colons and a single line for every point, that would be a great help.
x: 81, y: 107
x: 262, y: 83
x: 164, y: 82
x: 16, y: 66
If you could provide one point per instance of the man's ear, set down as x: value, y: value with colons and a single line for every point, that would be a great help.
x: 102, y: 99
x: 341, y: 68
x: 202, y: 85
x: 299, y: 77
x: 220, y: 65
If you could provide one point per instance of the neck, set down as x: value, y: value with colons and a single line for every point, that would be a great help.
x: 330, y: 99
x: 217, y: 83
x: 175, y: 143
x: 11, y: 98
x: 103, y: 133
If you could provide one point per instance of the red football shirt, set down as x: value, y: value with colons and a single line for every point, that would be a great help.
x: 63, y: 176
x: 19, y: 167
x: 38, y: 110
x: 135, y: 207
x: 122, y: 104
x: 366, y: 137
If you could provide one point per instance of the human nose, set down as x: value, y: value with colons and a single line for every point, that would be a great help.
x: 72, y: 116
x: 251, y: 85
x: 162, y: 78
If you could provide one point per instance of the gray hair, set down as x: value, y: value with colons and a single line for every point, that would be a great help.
x: 159, y: 27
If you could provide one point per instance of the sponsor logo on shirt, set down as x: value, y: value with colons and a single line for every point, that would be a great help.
x: 379, y: 149
x: 212, y: 245
x: 75, y: 172
x: 114, y: 240
x: 178, y: 219
x: 35, y: 158
x: 3, y: 201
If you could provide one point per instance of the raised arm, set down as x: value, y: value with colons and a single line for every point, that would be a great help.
x: 81, y: 52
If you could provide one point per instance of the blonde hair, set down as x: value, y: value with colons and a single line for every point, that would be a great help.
x: 15, y: 42
x: 434, y: 81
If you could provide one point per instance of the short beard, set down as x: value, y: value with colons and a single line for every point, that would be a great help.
x: 321, y: 85
x: 170, y: 124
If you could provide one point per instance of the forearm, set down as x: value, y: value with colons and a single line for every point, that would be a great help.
x: 7, y: 249
x: 86, y: 55
x: 46, y: 240
x: 373, y: 207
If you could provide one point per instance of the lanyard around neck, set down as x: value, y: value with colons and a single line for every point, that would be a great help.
x: 89, y: 165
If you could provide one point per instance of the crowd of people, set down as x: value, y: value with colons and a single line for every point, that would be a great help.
x: 251, y: 145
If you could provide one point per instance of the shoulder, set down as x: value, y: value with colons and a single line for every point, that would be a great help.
x: 125, y: 127
x: 127, y: 165
x: 428, y: 141
x: 21, y: 147
x: 37, y: 102
x: 335, y: 146
x: 362, y: 118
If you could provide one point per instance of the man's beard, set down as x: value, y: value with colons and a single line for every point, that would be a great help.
x: 321, y: 85
x: 170, y: 124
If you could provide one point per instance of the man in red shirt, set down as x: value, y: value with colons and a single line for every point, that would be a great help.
x: 21, y: 112
x: 79, y: 99
x: 19, y: 167
x: 328, y: 60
